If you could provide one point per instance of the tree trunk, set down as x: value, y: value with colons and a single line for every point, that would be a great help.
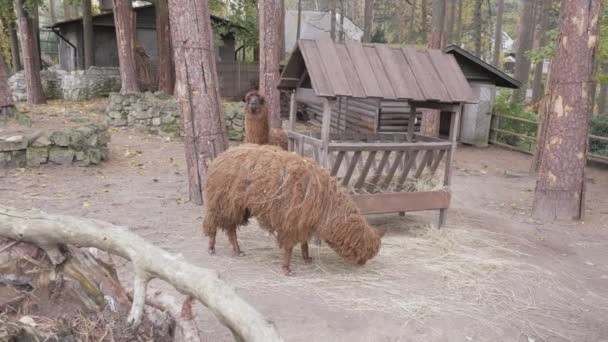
x: 601, y: 101
x: 498, y: 34
x: 477, y: 27
x: 424, y: 27
x: 124, y: 22
x: 342, y: 14
x: 299, y: 20
x: 52, y: 15
x: 33, y: 83
x: 270, y: 55
x: 537, y: 82
x: 36, y: 23
x: 524, y: 44
x: 14, y: 38
x: 430, y: 118
x: 6, y: 96
x: 197, y: 89
x: 458, y: 34
x: 411, y: 32
x: 450, y: 15
x: 87, y: 29
x: 163, y: 32
x: 331, y: 8
x: 367, y: 20
x: 560, y: 188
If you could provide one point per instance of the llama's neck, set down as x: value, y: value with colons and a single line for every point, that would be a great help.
x: 257, y: 128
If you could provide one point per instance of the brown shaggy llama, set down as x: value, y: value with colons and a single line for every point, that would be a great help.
x: 291, y: 197
x: 257, y: 125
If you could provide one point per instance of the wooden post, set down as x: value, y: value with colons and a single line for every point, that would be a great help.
x: 292, y: 118
x: 325, y: 130
x: 411, y: 124
x: 447, y: 177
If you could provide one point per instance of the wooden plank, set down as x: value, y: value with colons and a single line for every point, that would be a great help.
x: 314, y: 65
x: 333, y: 67
x: 454, y: 126
x: 350, y: 72
x: 308, y: 96
x: 393, y: 169
x: 425, y: 73
x: 315, y: 153
x: 386, y: 87
x: 337, y: 163
x: 379, y: 170
x: 292, y: 111
x: 364, y: 69
x: 450, y: 73
x: 325, y: 129
x: 522, y: 136
x: 385, y: 203
x: 428, y: 155
x: 410, y: 127
x: 514, y: 118
x: 436, y: 162
x: 371, y: 157
x: 399, y: 73
x: 404, y: 146
x: 411, y: 162
x: 351, y: 168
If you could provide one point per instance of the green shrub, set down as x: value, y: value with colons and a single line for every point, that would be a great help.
x: 599, y: 127
x: 503, y: 106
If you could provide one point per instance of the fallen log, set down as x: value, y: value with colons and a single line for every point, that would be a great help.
x: 52, y: 232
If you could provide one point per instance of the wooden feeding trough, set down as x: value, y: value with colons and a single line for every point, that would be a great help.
x: 367, y: 98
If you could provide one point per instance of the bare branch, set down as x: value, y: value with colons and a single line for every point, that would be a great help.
x: 149, y: 261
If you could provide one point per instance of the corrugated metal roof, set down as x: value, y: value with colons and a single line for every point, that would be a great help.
x: 361, y: 70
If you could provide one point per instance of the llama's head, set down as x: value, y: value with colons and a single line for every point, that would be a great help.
x: 254, y: 101
x: 354, y: 239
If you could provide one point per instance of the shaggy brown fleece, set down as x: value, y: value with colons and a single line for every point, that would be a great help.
x: 291, y: 197
x: 257, y: 126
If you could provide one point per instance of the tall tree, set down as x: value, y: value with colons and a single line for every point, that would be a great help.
x: 411, y: 32
x: 163, y: 35
x: 450, y: 16
x: 331, y: 7
x: 87, y: 34
x: 524, y: 44
x: 69, y: 10
x: 6, y: 96
x: 543, y: 26
x: 342, y: 14
x: 124, y: 20
x: 430, y: 118
x: 7, y: 16
x: 270, y: 55
x: 367, y: 20
x: 197, y: 89
x: 424, y: 27
x: 559, y: 192
x: 458, y: 33
x: 603, y: 95
x: 299, y: 27
x: 31, y: 56
x: 498, y: 34
x: 477, y: 23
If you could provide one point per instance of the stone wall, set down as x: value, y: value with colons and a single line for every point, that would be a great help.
x: 79, y: 145
x: 76, y: 85
x: 157, y: 113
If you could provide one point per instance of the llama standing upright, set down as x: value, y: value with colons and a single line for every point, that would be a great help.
x: 257, y: 125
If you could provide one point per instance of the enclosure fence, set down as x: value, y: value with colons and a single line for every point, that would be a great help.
x: 236, y: 78
x: 519, y: 134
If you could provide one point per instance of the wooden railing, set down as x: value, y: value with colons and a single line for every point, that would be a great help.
x: 528, y: 142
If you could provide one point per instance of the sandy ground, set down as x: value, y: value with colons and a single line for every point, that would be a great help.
x: 493, y: 274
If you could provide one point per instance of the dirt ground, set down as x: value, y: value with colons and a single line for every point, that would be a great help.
x: 493, y: 274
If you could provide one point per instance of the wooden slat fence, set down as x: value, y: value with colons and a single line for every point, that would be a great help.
x: 235, y: 78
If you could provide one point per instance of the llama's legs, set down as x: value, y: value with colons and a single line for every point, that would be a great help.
x: 305, y: 256
x: 286, y: 260
x: 211, y: 248
x: 234, y: 242
x: 210, y: 231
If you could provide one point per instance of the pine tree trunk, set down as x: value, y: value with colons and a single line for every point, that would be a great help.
x: 52, y: 15
x: 197, y: 89
x: 498, y: 34
x: 537, y: 82
x: 450, y: 15
x: 14, y: 38
x: 331, y: 8
x: 458, y: 33
x: 6, y: 96
x: 367, y: 20
x: 87, y: 29
x: 270, y: 54
x: 342, y: 14
x: 411, y: 32
x: 124, y: 21
x: 430, y: 118
x: 560, y: 188
x: 524, y: 44
x: 601, y: 101
x: 477, y: 27
x: 31, y: 57
x: 424, y: 27
x: 163, y: 32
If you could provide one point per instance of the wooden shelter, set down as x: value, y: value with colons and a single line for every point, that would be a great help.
x: 347, y: 82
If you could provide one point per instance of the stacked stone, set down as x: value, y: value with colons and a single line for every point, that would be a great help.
x: 51, y: 84
x: 235, y: 123
x: 82, y: 145
x: 95, y: 82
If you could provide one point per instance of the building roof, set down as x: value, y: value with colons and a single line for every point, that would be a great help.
x: 136, y: 9
x: 316, y: 25
x: 359, y: 70
x: 486, y: 70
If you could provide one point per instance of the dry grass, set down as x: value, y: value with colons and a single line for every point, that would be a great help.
x: 420, y: 273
